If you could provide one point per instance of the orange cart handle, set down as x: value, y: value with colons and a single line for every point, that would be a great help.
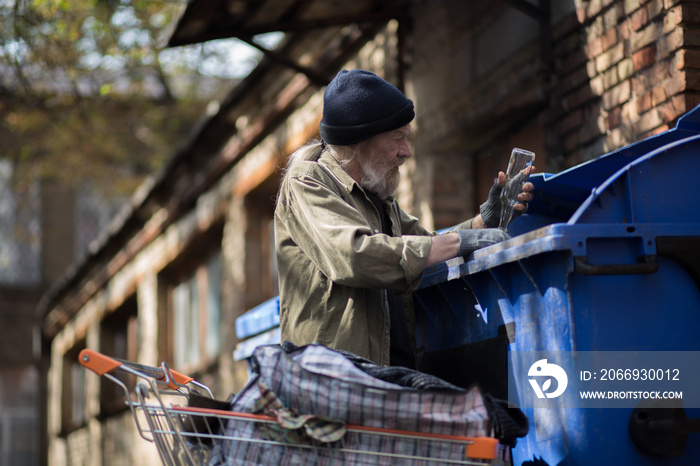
x: 101, y: 364
x: 483, y: 448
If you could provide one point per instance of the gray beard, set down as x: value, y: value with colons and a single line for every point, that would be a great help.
x: 379, y: 181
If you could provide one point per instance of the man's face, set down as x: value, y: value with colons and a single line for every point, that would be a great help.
x: 381, y: 158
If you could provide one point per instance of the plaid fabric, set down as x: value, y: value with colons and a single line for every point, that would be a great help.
x: 319, y: 381
x: 297, y: 428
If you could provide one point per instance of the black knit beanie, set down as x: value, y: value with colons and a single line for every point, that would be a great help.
x: 358, y: 104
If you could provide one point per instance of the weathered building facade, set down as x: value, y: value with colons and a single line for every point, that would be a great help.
x: 570, y: 80
x: 39, y: 225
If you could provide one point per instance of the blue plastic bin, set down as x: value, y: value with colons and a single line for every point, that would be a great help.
x: 607, y: 259
x: 259, y: 319
x: 258, y: 326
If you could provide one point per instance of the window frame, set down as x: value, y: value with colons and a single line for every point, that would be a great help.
x: 193, y: 265
x: 73, y: 391
x: 119, y: 338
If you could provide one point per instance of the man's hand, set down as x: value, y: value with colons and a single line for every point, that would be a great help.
x: 463, y: 242
x: 491, y: 209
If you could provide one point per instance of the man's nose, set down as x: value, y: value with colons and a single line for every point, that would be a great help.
x: 405, y: 150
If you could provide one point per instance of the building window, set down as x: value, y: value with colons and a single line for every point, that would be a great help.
x: 196, y: 311
x: 119, y: 339
x: 73, y: 414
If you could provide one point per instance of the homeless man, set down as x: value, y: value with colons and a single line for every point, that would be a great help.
x: 348, y: 257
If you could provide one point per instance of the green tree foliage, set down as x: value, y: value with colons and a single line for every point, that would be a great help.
x: 87, y: 91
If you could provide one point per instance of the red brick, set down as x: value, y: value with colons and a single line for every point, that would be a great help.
x: 655, y: 8
x: 639, y: 19
x: 655, y: 131
x: 624, y: 30
x: 625, y: 68
x: 649, y: 78
x: 639, y: 83
x: 673, y: 42
x: 609, y: 39
x: 644, y: 57
x: 631, y: 6
x: 581, y: 14
x: 644, y: 102
x: 676, y: 84
x: 658, y: 95
x: 611, y: 17
x: 672, y: 18
x: 594, y: 48
x: 648, y: 121
x: 617, y: 53
x: 668, y: 4
x: 688, y: 59
x: 594, y: 8
x: 611, y: 78
x: 662, y: 72
x: 645, y: 37
x: 668, y: 112
x: 618, y: 95
x: 614, y: 118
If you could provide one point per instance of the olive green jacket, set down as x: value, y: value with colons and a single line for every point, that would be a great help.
x: 334, y: 262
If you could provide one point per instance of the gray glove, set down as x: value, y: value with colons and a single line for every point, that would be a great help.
x: 471, y: 240
x: 491, y: 209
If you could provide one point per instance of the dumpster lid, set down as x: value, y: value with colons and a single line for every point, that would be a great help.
x: 559, y: 195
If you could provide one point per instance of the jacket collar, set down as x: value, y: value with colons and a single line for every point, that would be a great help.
x: 332, y: 165
x: 334, y: 168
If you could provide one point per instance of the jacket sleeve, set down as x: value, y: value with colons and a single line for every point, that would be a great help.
x: 337, y: 237
x: 411, y: 226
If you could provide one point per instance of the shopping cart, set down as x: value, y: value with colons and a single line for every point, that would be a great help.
x: 186, y: 434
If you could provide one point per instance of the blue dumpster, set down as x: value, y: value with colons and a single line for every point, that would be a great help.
x: 256, y: 327
x: 607, y: 261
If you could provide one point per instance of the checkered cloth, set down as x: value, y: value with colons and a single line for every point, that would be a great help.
x: 296, y: 428
x: 323, y: 383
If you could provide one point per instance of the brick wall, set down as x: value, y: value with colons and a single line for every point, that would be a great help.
x: 620, y: 71
x: 627, y: 70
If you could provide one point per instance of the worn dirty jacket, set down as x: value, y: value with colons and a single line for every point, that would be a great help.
x: 334, y: 262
